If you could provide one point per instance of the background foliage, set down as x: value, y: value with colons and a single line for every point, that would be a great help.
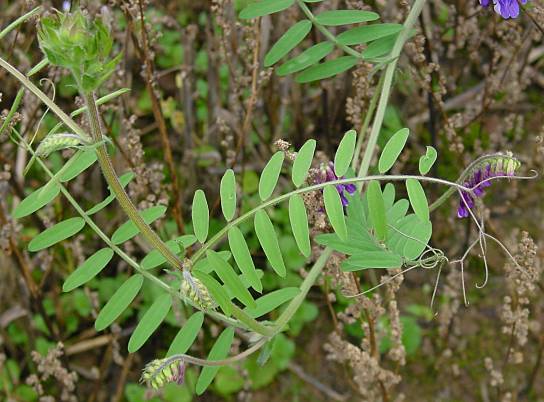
x: 203, y: 99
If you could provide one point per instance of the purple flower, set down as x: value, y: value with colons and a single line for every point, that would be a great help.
x: 506, y: 8
x: 502, y: 165
x: 327, y: 174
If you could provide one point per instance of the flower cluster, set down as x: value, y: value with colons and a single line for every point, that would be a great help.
x: 83, y: 46
x: 501, y: 165
x: 159, y: 372
x: 196, y: 291
x: 506, y: 8
x: 327, y: 174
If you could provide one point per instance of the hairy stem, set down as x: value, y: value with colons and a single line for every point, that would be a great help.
x: 113, y: 181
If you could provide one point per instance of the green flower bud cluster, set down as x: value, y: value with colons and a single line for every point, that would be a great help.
x: 194, y: 289
x: 83, y: 46
x: 57, y: 142
x: 159, y: 372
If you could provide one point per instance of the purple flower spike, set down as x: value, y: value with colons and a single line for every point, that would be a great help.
x: 327, y: 174
x: 506, y: 8
x: 502, y: 165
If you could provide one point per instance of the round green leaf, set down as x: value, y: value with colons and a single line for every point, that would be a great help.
x: 155, y: 258
x: 392, y: 150
x: 271, y: 301
x: 417, y: 198
x: 372, y: 259
x: 264, y: 7
x: 376, y: 209
x: 269, y: 241
x: 226, y: 273
x: 306, y: 59
x: 426, y: 162
x: 287, y: 42
x: 186, y: 335
x: 303, y: 162
x: 227, y: 191
x: 219, y: 351
x: 270, y: 175
x: 201, y: 216
x: 56, y: 233
x: 243, y: 259
x: 149, y: 323
x: 344, y: 154
x: 88, y: 270
x: 119, y: 302
x: 128, y: 229
x: 335, y: 211
x: 77, y: 164
x: 343, y: 17
x: 367, y: 33
x: 328, y: 69
x: 36, y: 200
x: 299, y: 224
x: 380, y: 47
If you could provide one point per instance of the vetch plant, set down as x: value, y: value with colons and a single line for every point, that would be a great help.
x: 367, y: 222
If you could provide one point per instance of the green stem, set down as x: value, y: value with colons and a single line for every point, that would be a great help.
x: 387, y: 84
x: 113, y: 181
x: 366, y: 123
x: 328, y: 34
x: 308, y: 282
x: 19, y: 21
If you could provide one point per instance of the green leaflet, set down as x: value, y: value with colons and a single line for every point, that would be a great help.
x: 398, y: 210
x: 264, y: 7
x: 299, y: 224
x: 154, y: 258
x: 306, y: 59
x: 201, y: 216
x: 344, y: 17
x: 265, y: 304
x: 388, y: 195
x: 367, y: 33
x: 128, y: 229
x: 380, y: 47
x: 426, y: 162
x: 149, y: 323
x: 328, y: 69
x: 227, y: 192
x: 36, y: 200
x: 56, y: 233
x: 344, y: 154
x: 119, y: 302
x: 204, y: 265
x: 269, y: 241
x: 216, y: 291
x: 88, y: 270
x: 419, y: 235
x: 335, y: 211
x: 186, y: 335
x: 303, y: 162
x: 372, y: 259
x: 80, y: 162
x: 392, y: 150
x: 226, y: 273
x: 270, y: 175
x: 376, y: 209
x: 417, y: 198
x: 243, y: 259
x: 124, y: 180
x: 287, y: 42
x: 219, y: 351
